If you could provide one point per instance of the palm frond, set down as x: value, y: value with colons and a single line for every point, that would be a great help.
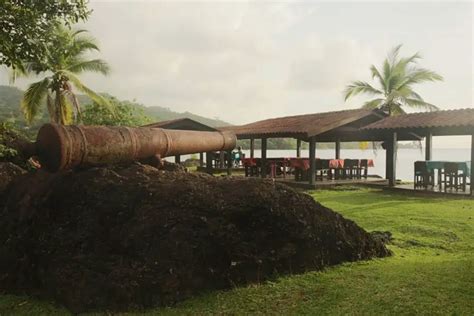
x: 393, y: 55
x: 358, y: 87
x: 33, y: 98
x: 387, y: 73
x: 415, y: 95
x: 74, y: 102
x: 83, y: 44
x: 418, y: 75
x: 94, y: 65
x: 401, y: 65
x: 403, y: 92
x: 392, y: 82
x: 79, y: 31
x: 51, y: 110
x: 376, y: 74
x: 396, y: 77
x: 415, y: 103
x: 373, y: 104
x: 394, y: 108
x: 65, y: 110
x: 100, y: 100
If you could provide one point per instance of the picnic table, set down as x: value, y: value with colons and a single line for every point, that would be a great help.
x: 438, y: 166
x: 464, y: 166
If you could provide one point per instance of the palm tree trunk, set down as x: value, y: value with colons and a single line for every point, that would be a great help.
x: 58, y: 117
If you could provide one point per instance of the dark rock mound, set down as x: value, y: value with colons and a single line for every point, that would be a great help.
x: 127, y: 237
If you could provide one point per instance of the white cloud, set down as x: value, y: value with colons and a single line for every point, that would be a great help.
x: 243, y: 61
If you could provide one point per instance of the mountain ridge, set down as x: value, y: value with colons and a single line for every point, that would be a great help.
x: 10, y: 98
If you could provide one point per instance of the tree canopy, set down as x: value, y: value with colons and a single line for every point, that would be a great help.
x: 125, y: 114
x: 396, y: 79
x: 26, y: 26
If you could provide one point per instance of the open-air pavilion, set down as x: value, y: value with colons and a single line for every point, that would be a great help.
x: 329, y: 127
x: 357, y: 126
x: 428, y: 125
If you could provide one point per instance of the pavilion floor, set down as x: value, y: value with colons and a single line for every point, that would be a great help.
x: 378, y: 183
x: 435, y: 191
x: 325, y: 183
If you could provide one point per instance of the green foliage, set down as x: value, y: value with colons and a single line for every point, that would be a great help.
x: 26, y: 26
x: 7, y: 133
x: 67, y: 56
x: 125, y: 114
x: 6, y: 152
x: 396, y: 80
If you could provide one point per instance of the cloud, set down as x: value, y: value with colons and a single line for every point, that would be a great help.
x: 349, y: 59
x: 243, y: 61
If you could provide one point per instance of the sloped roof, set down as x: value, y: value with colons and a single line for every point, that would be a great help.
x: 460, y: 118
x: 182, y: 124
x: 307, y: 125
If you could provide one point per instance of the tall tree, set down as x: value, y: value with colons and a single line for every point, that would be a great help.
x: 65, y: 59
x: 125, y: 113
x: 396, y: 81
x: 25, y: 27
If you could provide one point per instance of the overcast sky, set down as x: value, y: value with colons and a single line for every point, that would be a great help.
x: 243, y: 61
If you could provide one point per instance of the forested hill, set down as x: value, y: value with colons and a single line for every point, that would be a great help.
x: 10, y: 109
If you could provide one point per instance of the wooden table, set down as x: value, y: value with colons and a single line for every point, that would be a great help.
x: 438, y: 166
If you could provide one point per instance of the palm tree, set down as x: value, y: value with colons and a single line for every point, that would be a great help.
x: 66, y: 59
x: 396, y: 81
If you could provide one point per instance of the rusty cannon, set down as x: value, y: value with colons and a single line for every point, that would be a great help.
x: 60, y: 147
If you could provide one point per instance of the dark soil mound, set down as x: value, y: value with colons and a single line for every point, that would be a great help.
x: 124, y: 237
x: 8, y: 172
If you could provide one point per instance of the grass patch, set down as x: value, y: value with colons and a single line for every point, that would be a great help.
x: 431, y: 272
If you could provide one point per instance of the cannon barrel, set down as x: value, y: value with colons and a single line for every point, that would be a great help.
x: 62, y: 147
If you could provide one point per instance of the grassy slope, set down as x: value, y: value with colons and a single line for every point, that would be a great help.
x: 432, y: 271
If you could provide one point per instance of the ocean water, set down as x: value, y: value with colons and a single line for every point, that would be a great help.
x: 405, y: 157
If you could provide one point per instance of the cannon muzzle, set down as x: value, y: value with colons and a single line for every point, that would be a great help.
x: 62, y: 147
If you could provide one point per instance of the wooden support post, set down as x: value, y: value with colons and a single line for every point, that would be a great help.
x: 252, y: 148
x: 229, y: 162
x: 221, y: 159
x: 298, y: 148
x: 177, y: 159
x: 338, y: 149
x: 312, y: 161
x: 201, y: 160
x: 428, y: 147
x: 209, y: 156
x: 391, y: 159
x: 471, y: 180
x: 264, y: 158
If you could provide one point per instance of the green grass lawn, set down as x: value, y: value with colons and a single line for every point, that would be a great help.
x: 431, y: 272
